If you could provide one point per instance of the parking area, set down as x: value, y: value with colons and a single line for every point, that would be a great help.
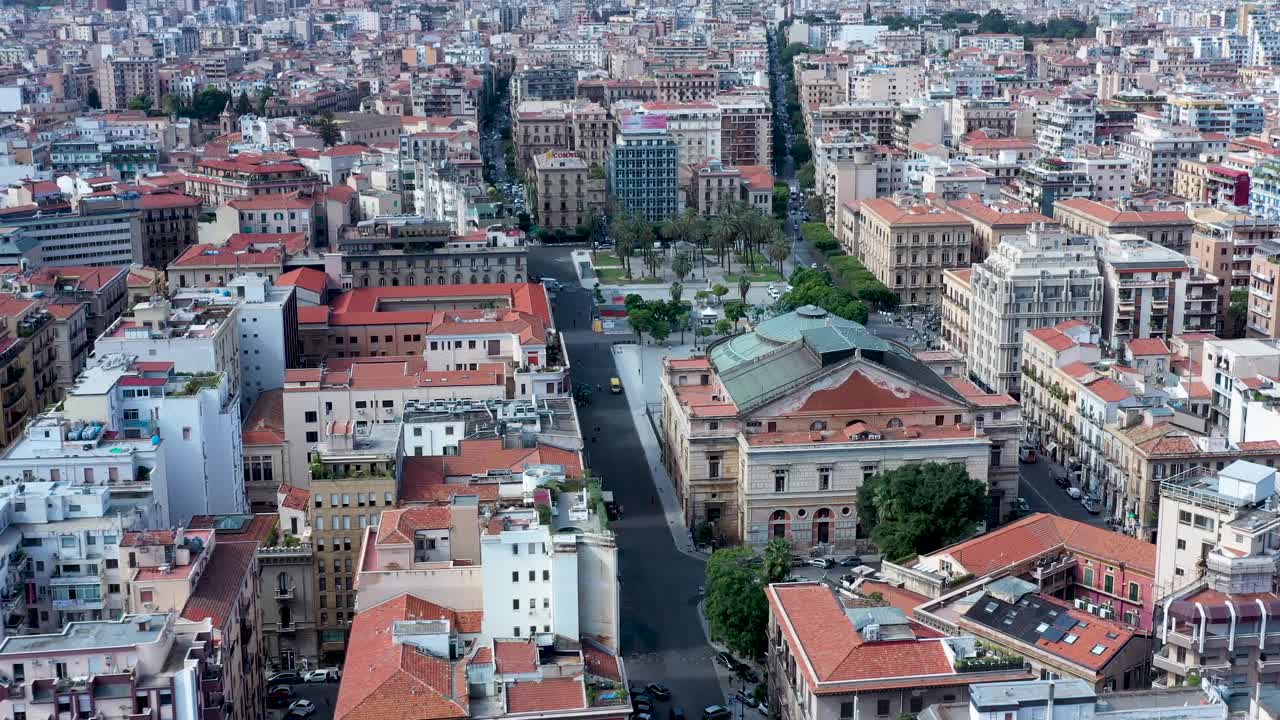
x: 322, y: 696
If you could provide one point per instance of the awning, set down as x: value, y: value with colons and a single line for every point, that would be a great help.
x: 1051, y: 447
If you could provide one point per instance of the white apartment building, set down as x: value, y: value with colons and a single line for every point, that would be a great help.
x: 1151, y: 291
x: 196, y: 335
x: 1239, y: 376
x: 145, y: 665
x: 888, y: 83
x: 194, y: 416
x: 66, y: 558
x: 107, y: 230
x: 1071, y: 120
x: 1156, y: 149
x: 266, y: 319
x: 550, y: 569
x: 1033, y: 281
x: 694, y: 126
x: 1110, y: 176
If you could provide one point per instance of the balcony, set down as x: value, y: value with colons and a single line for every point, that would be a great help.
x: 284, y: 593
x: 286, y: 629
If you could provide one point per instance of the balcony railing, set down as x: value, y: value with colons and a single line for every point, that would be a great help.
x: 284, y: 593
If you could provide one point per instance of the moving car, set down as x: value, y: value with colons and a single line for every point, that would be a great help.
x: 302, y: 708
x: 1074, y: 493
x: 849, y: 561
x: 1061, y: 481
x: 823, y: 563
x: 615, y: 386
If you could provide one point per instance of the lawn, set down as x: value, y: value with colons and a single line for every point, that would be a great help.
x: 763, y: 273
x: 616, y: 276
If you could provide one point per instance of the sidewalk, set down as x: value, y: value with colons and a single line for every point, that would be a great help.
x: 628, y: 360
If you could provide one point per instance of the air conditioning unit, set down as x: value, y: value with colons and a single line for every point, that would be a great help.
x: 1093, y: 608
x: 1081, y: 604
x: 1106, y: 612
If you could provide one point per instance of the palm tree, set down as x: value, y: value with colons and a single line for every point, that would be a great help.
x: 723, y: 237
x: 676, y: 291
x: 681, y: 265
x: 624, y: 241
x: 777, y: 249
x: 744, y: 286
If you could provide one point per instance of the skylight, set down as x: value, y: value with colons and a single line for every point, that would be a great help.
x: 1098, y: 649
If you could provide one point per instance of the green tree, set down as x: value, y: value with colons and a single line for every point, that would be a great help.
x: 723, y: 327
x: 327, y: 129
x: 736, y: 608
x: 800, y: 151
x: 141, y: 102
x: 778, y: 250
x: 744, y: 287
x: 676, y: 292
x: 243, y: 106
x: 681, y: 265
x: 1238, y: 311
x: 993, y: 22
x: 94, y: 100
x: 260, y: 102
x: 781, y: 198
x: 805, y: 175
x: 919, y: 508
x: 719, y: 291
x: 735, y: 312
x: 777, y: 561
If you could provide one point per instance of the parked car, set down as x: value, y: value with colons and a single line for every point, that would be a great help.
x: 280, y: 695
x: 676, y: 713
x: 849, y: 561
x: 820, y: 562
x: 1021, y: 507
x: 1061, y: 481
x: 1092, y: 505
x: 635, y: 690
x: 552, y: 285
x: 287, y: 677
x: 316, y: 676
x: 715, y: 712
x: 727, y: 661
x: 1074, y: 493
x: 798, y: 561
x: 745, y: 699
x: 642, y: 705
x: 302, y: 708
x: 659, y: 691
x: 642, y: 716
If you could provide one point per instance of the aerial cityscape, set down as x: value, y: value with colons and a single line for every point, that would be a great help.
x: 688, y: 360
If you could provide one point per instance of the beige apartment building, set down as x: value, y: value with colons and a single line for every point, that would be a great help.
x: 1170, y: 228
x: 907, y: 245
x: 957, y: 301
x: 567, y: 196
x: 1224, y: 243
x: 1263, y: 320
x: 353, y: 479
x: 121, y: 80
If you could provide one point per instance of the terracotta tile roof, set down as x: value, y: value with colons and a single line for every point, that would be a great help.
x: 294, y: 498
x: 399, y: 526
x: 1147, y: 346
x: 214, y: 596
x: 600, y: 661
x: 1053, y: 338
x: 257, y: 531
x: 1038, y: 534
x: 516, y: 656
x: 894, y: 214
x: 305, y: 278
x: 1108, y: 390
x: 831, y: 651
x: 546, y: 695
x: 1110, y: 215
x: 265, y: 424
x: 423, y: 481
x: 384, y: 680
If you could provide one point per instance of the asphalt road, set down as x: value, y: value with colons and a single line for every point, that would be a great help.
x: 324, y: 695
x: 662, y: 637
x: 1036, y: 486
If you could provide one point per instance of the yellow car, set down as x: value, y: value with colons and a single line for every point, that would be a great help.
x: 615, y: 386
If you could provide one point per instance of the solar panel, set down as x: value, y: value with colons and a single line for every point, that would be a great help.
x: 1064, y: 622
x: 1053, y: 634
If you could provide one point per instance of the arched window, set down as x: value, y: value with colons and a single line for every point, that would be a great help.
x: 365, y: 281
x: 822, y: 525
x: 895, y: 422
x: 457, y: 278
x: 502, y: 277
x: 818, y: 425
x: 282, y: 581
x: 778, y: 523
